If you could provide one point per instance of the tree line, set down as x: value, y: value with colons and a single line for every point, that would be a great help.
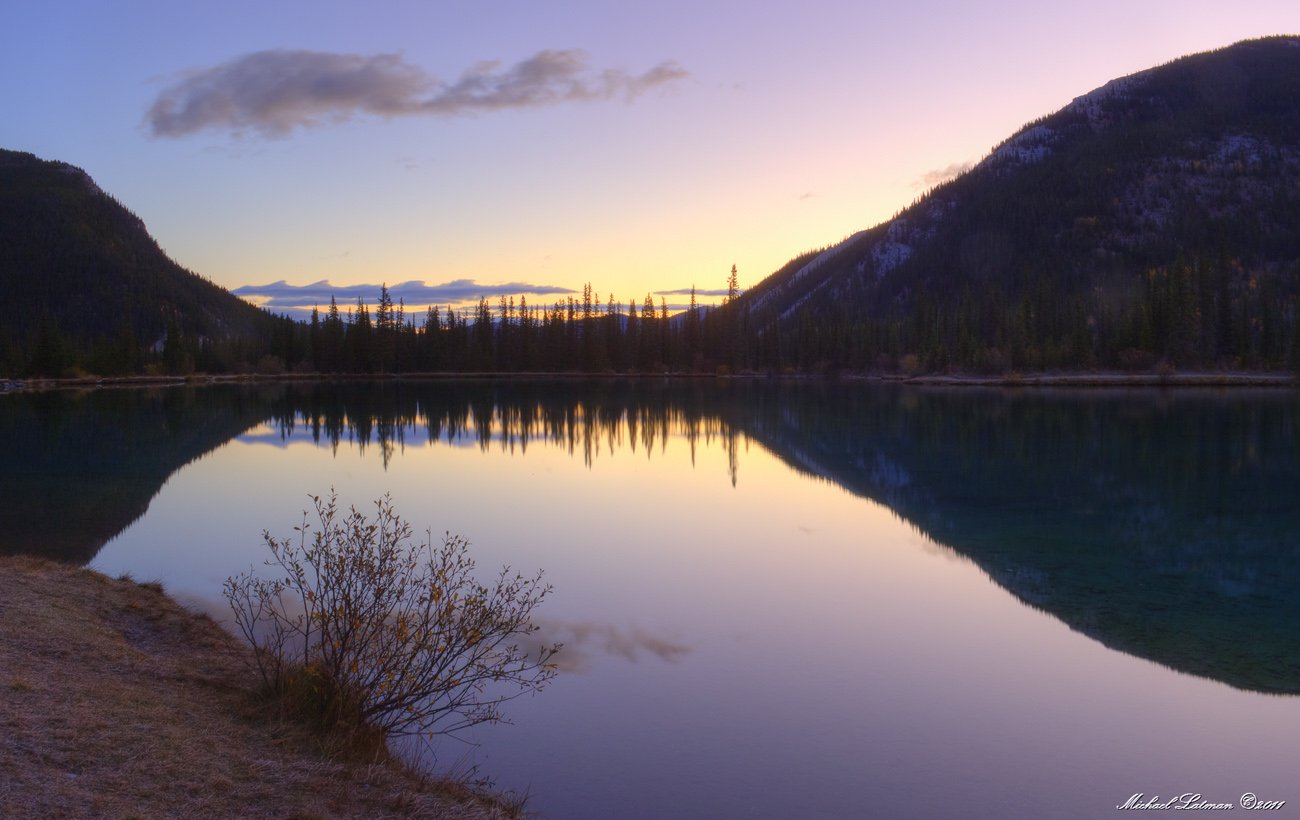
x: 1188, y: 315
x: 577, y: 334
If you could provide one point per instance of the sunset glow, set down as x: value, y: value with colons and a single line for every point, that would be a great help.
x: 640, y: 148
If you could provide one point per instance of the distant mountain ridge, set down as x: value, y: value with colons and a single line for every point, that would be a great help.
x: 1189, y: 169
x: 1152, y: 224
x: 82, y: 280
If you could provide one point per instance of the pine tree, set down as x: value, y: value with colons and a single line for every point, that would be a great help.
x: 332, y: 338
x: 360, y: 340
x: 692, y: 354
x: 436, y: 340
x: 648, y: 350
x: 52, y: 354
x: 630, y: 349
x: 385, y: 342
x: 667, y: 354
x: 314, y: 340
x: 483, y: 336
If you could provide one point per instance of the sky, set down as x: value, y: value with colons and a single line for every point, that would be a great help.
x: 290, y: 151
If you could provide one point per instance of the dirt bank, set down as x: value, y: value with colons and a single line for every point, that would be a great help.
x: 115, y: 701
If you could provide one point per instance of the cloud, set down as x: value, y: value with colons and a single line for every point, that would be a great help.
x: 584, y: 639
x: 281, y: 296
x: 273, y: 92
x: 938, y: 176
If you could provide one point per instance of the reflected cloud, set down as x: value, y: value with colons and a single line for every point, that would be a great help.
x: 276, y: 91
x: 584, y: 639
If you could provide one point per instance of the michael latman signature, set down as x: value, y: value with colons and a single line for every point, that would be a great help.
x: 1194, y: 801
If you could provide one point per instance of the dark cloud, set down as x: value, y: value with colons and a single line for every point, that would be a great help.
x: 274, y: 92
x: 281, y: 296
x: 938, y: 176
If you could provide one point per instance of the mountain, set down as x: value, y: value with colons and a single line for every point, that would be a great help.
x: 82, y: 283
x: 1155, y: 218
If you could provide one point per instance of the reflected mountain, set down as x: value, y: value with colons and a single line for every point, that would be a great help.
x: 78, y: 467
x: 1164, y: 524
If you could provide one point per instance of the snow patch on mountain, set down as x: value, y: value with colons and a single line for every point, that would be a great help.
x: 1029, y: 146
x: 1239, y: 148
x: 888, y: 255
x: 905, y: 234
x: 894, y: 249
x: 798, y: 303
x: 1093, y: 104
x: 1231, y: 175
x: 823, y: 257
x: 810, y: 266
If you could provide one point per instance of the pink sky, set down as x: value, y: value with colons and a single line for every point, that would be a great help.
x: 641, y: 147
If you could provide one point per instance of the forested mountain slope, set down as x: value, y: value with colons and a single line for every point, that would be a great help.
x: 1155, y: 218
x: 82, y: 281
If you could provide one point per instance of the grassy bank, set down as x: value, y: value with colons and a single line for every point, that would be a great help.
x: 115, y: 701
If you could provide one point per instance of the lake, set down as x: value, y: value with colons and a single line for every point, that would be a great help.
x: 777, y: 599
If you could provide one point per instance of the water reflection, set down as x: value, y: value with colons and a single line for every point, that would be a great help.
x: 582, y: 639
x: 1166, y: 525
x: 1161, y: 524
x: 77, y: 468
x: 584, y: 418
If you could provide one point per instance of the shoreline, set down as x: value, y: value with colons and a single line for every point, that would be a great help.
x: 1206, y: 379
x: 1069, y: 379
x: 118, y: 701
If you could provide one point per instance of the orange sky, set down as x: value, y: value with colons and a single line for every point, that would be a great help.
x: 640, y: 147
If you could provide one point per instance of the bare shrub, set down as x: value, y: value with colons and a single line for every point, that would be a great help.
x: 364, y: 628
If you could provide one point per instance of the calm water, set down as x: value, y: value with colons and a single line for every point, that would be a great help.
x: 777, y: 600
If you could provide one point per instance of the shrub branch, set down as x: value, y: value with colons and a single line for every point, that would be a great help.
x: 365, y: 627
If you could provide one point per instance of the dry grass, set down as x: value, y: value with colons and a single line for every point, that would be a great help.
x: 117, y: 702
